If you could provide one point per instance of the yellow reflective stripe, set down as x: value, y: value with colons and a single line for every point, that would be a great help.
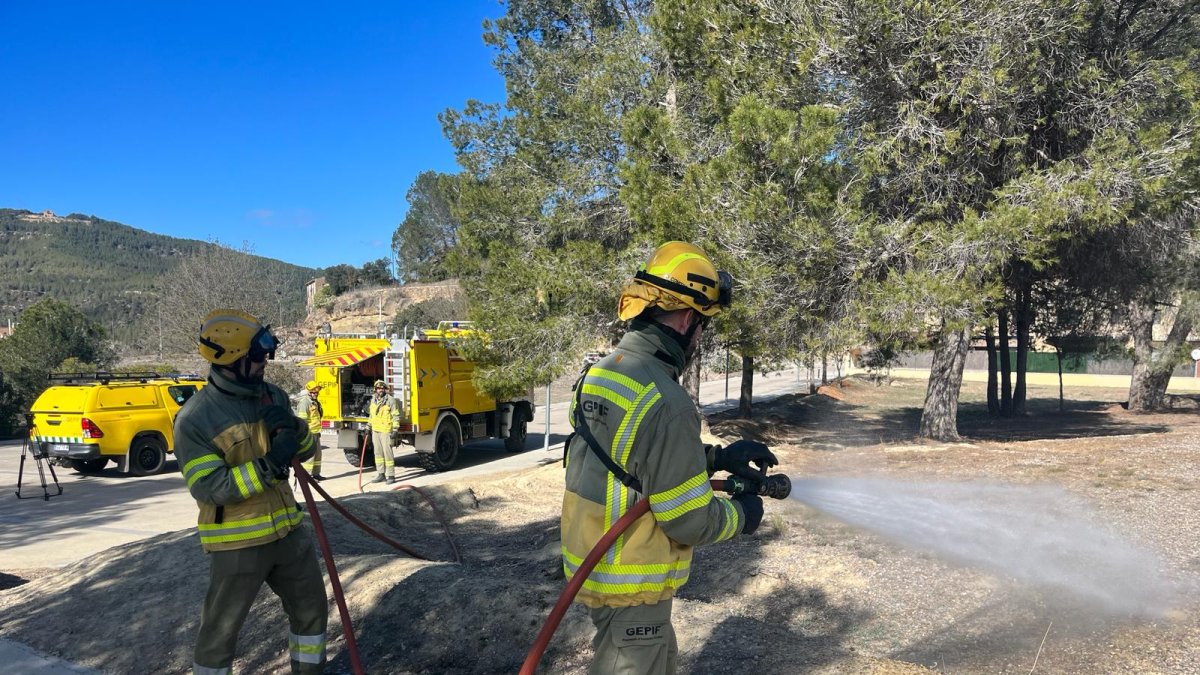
x: 669, y: 266
x: 306, y: 443
x: 252, y: 469
x: 621, y: 578
x: 629, y: 427
x: 249, y: 528
x: 240, y: 480
x: 200, y: 467
x: 618, y: 494
x: 607, y: 394
x: 731, y: 520
x: 307, y: 648
x: 692, y: 494
x: 624, y: 380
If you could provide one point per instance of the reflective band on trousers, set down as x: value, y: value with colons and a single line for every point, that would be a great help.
x: 250, y: 528
x: 307, y: 648
x: 198, y: 669
x: 620, y: 578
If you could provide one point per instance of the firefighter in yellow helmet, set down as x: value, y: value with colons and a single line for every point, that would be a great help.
x: 235, y: 440
x: 637, y: 434
x: 384, y: 418
x: 308, y: 408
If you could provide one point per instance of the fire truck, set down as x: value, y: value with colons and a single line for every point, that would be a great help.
x: 440, y: 407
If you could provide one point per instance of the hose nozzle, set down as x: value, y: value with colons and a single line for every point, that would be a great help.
x: 776, y: 486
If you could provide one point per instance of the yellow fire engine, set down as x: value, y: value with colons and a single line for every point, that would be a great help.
x: 440, y: 407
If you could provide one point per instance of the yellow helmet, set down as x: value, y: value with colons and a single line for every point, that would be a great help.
x: 677, y: 276
x: 229, y: 334
x: 313, y: 385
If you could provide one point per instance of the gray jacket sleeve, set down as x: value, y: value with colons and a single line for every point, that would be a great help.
x: 674, y: 475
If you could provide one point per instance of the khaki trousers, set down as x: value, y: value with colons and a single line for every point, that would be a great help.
x: 637, y: 640
x: 314, y: 464
x: 289, y: 566
x: 385, y: 458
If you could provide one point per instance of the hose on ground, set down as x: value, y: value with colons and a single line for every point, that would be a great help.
x: 327, y: 553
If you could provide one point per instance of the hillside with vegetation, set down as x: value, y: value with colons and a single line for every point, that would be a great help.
x: 113, y: 272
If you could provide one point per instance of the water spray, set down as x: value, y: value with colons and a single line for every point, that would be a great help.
x: 1040, y: 535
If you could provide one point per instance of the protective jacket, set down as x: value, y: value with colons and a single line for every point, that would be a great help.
x: 220, y: 443
x: 649, y: 425
x: 309, y: 410
x: 385, y: 414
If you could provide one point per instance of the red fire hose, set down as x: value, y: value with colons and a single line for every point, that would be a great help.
x: 306, y: 483
x: 581, y: 575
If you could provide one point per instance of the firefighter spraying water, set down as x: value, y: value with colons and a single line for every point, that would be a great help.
x: 638, y: 497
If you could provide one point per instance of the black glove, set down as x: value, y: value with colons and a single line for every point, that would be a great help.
x: 277, y: 417
x: 284, y: 446
x: 752, y: 508
x: 737, y: 457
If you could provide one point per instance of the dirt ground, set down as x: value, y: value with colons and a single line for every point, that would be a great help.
x: 804, y: 594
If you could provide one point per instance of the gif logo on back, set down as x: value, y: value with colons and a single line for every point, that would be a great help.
x: 594, y: 408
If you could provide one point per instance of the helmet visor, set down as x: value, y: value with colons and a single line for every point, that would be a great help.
x: 724, y: 289
x: 263, y: 345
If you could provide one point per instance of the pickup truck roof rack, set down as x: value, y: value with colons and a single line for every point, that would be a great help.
x: 104, y: 377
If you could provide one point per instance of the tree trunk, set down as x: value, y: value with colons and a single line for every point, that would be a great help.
x: 746, y: 398
x: 1005, y: 366
x: 993, y: 399
x: 824, y: 368
x: 939, y: 419
x: 1141, y: 327
x: 1151, y: 373
x: 1024, y: 316
x: 1058, y: 353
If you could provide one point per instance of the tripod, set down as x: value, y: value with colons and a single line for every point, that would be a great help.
x: 39, y: 456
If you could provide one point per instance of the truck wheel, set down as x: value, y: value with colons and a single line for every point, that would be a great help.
x: 519, y: 430
x: 352, y: 455
x: 147, y: 456
x: 89, y: 465
x: 445, y: 449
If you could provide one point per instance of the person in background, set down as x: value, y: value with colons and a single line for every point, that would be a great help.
x: 385, y: 416
x: 308, y: 408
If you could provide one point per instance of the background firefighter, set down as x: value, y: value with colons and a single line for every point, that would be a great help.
x: 235, y: 440
x: 385, y: 416
x: 638, y: 433
x: 308, y: 408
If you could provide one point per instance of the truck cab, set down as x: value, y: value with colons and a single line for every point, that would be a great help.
x: 440, y: 407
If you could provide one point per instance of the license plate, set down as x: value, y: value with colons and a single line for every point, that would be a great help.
x: 60, y: 449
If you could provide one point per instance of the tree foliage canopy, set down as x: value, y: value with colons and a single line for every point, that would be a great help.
x: 49, y: 333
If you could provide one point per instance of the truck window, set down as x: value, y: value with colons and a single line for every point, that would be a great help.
x: 126, y: 397
x: 181, y: 393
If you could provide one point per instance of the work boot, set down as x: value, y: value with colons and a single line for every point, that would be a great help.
x: 391, y: 480
x: 317, y: 477
x: 379, y: 479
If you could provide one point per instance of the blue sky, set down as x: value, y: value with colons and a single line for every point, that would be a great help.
x: 294, y: 126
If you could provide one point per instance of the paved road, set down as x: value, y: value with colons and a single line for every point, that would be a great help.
x: 107, y: 509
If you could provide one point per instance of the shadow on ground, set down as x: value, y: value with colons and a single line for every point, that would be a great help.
x: 888, y: 415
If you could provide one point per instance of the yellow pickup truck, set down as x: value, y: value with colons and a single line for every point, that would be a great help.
x: 85, y: 420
